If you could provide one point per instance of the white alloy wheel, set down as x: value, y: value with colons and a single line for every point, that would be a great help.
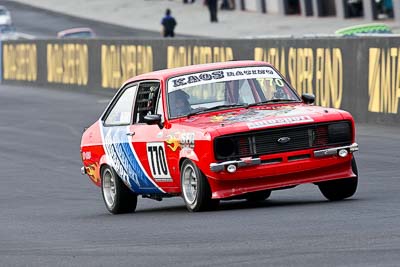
x: 117, y: 197
x: 190, y: 184
x: 109, y: 190
x: 196, y: 191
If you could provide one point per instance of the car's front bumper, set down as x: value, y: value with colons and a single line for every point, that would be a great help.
x: 247, y: 162
x: 280, y: 170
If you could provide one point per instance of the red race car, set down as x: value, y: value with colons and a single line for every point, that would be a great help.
x: 216, y: 132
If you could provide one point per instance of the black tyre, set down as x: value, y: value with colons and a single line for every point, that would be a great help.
x: 342, y: 188
x: 258, y: 196
x: 196, y: 191
x: 116, y: 195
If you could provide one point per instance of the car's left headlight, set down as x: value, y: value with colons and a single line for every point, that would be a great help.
x: 340, y: 132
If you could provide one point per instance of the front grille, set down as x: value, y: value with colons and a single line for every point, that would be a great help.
x: 286, y: 139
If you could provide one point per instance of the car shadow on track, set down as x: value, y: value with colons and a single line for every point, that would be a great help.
x: 232, y: 205
x: 243, y: 205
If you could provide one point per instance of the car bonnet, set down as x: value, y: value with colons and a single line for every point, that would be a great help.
x: 254, y: 118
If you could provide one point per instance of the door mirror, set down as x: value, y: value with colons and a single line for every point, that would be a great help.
x: 154, y: 119
x: 308, y: 98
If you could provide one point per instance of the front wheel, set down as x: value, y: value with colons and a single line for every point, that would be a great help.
x: 116, y: 195
x: 196, y: 191
x: 342, y: 188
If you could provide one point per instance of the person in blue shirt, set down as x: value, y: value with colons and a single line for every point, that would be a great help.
x: 388, y: 7
x: 169, y: 23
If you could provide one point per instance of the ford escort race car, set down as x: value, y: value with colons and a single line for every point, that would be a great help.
x: 216, y: 132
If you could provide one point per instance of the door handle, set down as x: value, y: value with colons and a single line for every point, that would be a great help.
x: 130, y: 134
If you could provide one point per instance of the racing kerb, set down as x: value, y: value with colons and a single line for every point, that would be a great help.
x: 360, y: 75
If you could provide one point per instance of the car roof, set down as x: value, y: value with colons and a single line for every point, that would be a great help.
x: 167, y: 73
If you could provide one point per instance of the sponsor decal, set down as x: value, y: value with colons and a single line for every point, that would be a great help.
x: 179, y: 56
x: 384, y: 80
x: 68, y: 63
x: 180, y: 140
x: 86, y: 155
x: 254, y: 114
x: 120, y: 62
x: 123, y: 158
x: 312, y: 70
x: 279, y: 121
x: 187, y: 140
x: 91, y: 172
x: 173, y: 143
x: 220, y: 76
x: 116, y: 150
x: 217, y: 118
x: 20, y: 62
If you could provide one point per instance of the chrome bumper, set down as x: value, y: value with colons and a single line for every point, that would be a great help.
x: 217, y: 167
x: 334, y: 151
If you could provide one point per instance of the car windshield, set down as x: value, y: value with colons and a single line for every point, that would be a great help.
x: 219, y: 89
x: 82, y: 34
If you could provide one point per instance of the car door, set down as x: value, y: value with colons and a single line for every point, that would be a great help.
x: 119, y: 150
x: 147, y: 141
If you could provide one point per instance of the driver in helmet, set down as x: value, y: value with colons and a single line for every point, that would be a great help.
x: 179, y: 103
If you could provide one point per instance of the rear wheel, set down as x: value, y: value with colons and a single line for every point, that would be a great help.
x: 258, y: 196
x: 342, y: 188
x: 116, y: 195
x: 196, y: 191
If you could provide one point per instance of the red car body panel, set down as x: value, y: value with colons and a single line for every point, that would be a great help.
x: 193, y: 138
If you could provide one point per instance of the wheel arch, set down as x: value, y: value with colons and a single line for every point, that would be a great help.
x: 102, y: 166
x: 103, y: 163
x: 196, y: 161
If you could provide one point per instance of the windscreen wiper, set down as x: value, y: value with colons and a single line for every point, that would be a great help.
x: 202, y: 109
x: 275, y: 100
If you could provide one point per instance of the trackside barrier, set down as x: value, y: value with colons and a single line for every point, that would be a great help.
x: 360, y: 74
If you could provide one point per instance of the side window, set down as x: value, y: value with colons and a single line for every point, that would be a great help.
x: 121, y: 112
x: 146, y: 100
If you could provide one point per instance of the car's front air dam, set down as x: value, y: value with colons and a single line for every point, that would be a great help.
x: 223, y: 187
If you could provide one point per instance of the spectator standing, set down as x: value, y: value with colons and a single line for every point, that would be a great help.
x: 168, y: 22
x: 212, y: 7
x: 228, y: 5
x: 388, y: 7
x: 355, y: 8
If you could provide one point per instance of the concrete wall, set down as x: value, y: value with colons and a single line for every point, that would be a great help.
x: 274, y: 6
x: 252, y: 5
x: 356, y: 74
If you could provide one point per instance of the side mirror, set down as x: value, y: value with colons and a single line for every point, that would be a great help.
x: 154, y: 119
x: 308, y: 98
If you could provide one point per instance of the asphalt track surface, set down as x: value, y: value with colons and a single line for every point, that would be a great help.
x: 51, y: 215
x: 41, y: 23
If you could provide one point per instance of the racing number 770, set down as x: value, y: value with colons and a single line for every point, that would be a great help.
x: 157, y: 160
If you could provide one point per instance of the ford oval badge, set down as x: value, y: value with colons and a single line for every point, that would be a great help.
x: 283, y: 140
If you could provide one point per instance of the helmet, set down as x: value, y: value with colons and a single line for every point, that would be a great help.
x: 178, y: 103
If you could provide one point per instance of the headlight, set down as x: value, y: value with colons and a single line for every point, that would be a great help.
x: 339, y: 132
x: 225, y: 147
